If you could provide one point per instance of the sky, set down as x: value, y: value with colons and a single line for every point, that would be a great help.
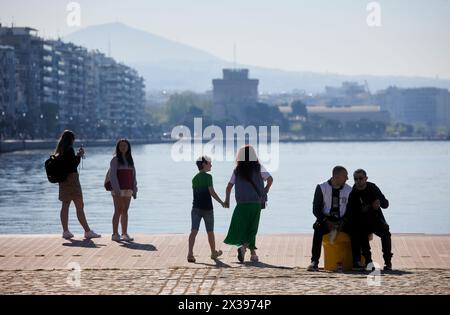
x: 413, y: 38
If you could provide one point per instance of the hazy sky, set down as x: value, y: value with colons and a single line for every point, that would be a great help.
x: 315, y: 35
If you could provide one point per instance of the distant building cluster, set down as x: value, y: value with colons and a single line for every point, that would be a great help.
x: 49, y: 85
x: 427, y: 106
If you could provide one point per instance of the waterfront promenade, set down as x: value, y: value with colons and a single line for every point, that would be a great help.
x: 156, y: 264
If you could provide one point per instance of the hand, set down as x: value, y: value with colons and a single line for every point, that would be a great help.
x: 376, y: 204
x: 226, y: 204
x: 80, y: 152
x: 134, y: 196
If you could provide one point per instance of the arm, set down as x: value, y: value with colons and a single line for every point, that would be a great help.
x: 113, y: 173
x: 318, y: 204
x: 74, y: 160
x: 135, y: 189
x: 269, y: 184
x: 381, y: 200
x: 350, y: 209
x: 214, y: 195
x: 227, y: 194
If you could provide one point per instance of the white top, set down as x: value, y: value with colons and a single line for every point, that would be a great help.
x: 264, y: 174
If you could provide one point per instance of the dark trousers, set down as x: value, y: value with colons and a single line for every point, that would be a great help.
x: 322, y: 229
x: 380, y: 228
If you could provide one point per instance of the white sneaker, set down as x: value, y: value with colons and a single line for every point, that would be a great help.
x: 91, y: 234
x: 67, y: 235
x: 127, y: 238
x: 115, y: 238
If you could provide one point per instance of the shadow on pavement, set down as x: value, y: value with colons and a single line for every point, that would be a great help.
x: 84, y: 243
x: 138, y: 246
x: 260, y: 264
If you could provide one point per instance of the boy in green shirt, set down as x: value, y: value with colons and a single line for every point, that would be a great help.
x: 202, y: 207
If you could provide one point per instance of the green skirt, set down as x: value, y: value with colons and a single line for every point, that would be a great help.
x: 244, y: 225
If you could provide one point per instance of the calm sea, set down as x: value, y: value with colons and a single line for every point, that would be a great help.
x: 414, y: 176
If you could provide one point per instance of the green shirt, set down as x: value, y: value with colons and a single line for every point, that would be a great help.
x: 200, y: 187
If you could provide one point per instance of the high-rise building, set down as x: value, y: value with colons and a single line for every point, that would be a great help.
x: 28, y: 48
x: 8, y: 64
x: 65, y: 86
x: 427, y: 106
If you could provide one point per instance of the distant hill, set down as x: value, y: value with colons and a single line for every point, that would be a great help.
x: 170, y: 65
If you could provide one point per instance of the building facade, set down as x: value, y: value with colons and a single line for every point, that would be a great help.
x: 233, y: 95
x: 426, y: 106
x: 60, y: 85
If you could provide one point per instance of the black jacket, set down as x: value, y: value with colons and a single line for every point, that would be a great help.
x: 359, y: 206
x: 70, y: 161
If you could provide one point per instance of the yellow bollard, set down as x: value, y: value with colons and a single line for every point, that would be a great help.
x: 338, y: 254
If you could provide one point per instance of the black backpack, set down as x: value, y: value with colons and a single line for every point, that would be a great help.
x: 54, y: 167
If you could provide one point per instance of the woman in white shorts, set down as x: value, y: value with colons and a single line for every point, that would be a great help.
x: 124, y: 186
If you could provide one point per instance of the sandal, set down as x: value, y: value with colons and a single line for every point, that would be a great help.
x: 254, y: 258
x: 191, y: 259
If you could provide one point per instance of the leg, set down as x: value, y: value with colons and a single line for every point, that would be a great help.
x: 319, y: 232
x: 208, y: 217
x: 116, y: 216
x: 212, y: 242
x: 355, y: 238
x: 195, y: 219
x: 64, y: 215
x: 382, y: 230
x: 192, y: 242
x: 125, y: 201
x: 365, y: 247
x: 80, y: 214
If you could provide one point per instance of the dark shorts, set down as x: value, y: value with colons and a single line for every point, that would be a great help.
x: 208, y: 217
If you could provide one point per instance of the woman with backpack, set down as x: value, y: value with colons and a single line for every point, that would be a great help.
x: 70, y: 188
x: 248, y: 176
x: 123, y: 186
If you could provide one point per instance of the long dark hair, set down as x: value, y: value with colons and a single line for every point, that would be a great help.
x: 65, y: 142
x: 247, y: 162
x: 128, y: 155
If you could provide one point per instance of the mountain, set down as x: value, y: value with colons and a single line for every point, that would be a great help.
x: 166, y: 64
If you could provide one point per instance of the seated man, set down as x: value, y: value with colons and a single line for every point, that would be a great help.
x: 365, y: 215
x: 329, y: 207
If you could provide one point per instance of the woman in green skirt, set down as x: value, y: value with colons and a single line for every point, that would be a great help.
x: 248, y: 176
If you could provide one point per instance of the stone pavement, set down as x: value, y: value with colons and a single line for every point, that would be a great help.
x: 156, y: 264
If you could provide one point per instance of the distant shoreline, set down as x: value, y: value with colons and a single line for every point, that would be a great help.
x: 8, y: 146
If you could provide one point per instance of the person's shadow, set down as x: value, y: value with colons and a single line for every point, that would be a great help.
x: 138, y: 246
x: 86, y: 243
x: 260, y: 264
x: 218, y: 264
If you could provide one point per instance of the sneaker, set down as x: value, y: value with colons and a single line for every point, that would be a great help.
x: 91, y: 234
x: 254, y: 258
x: 127, y: 238
x: 357, y: 266
x: 241, y: 254
x: 67, y: 235
x: 216, y: 254
x: 314, y: 266
x: 387, y: 266
x: 115, y: 238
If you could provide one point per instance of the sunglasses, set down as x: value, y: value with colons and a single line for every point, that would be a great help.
x: 358, y: 178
